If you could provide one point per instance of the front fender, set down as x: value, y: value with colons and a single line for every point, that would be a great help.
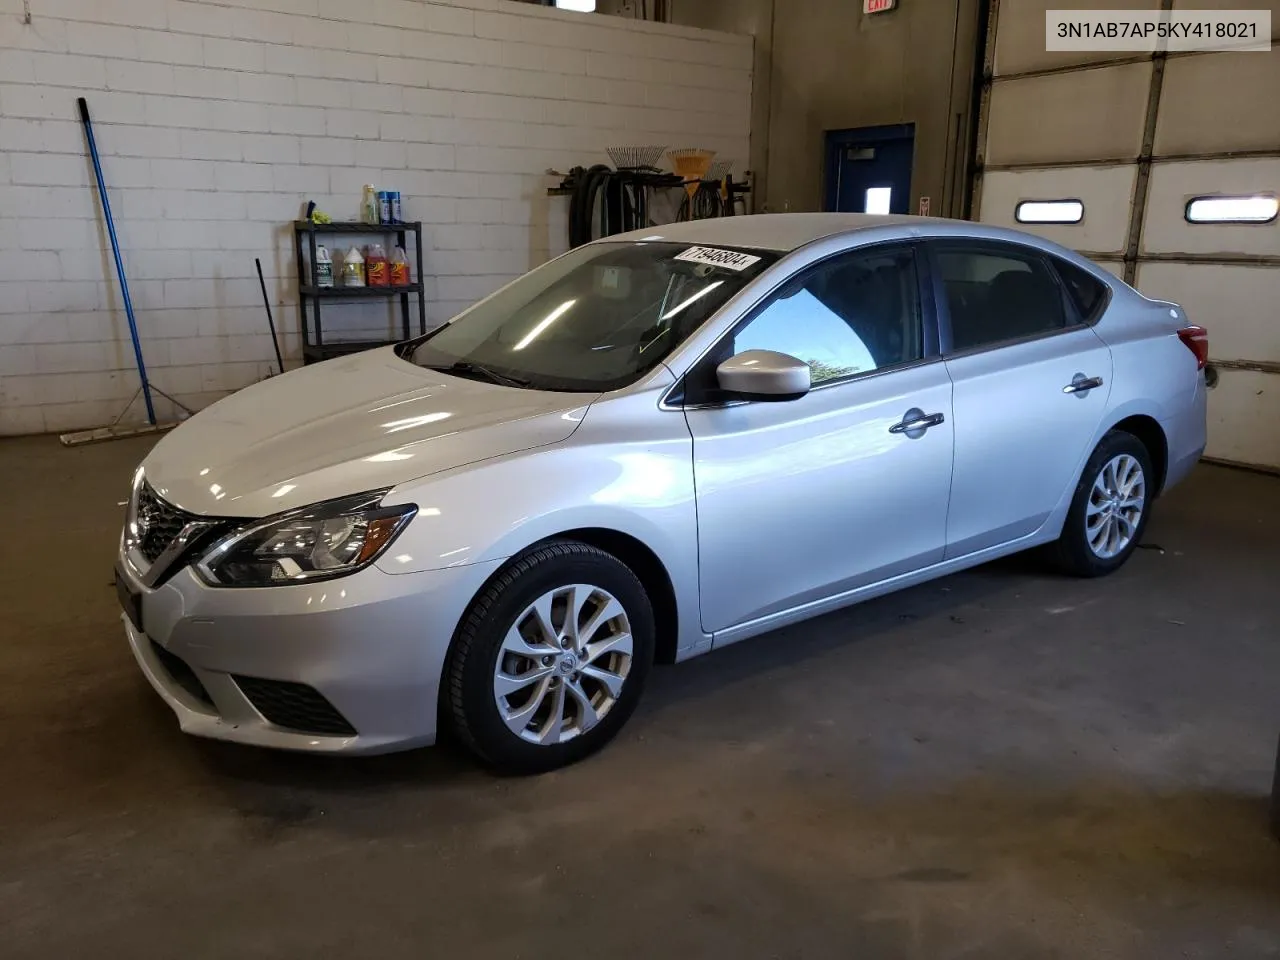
x: 494, y: 510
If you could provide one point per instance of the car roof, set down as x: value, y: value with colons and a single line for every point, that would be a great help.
x: 782, y: 232
x: 785, y: 232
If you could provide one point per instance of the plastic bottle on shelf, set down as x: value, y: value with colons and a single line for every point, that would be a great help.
x: 369, y: 204
x: 353, y: 269
x: 375, y: 261
x: 399, y: 268
x: 324, y: 267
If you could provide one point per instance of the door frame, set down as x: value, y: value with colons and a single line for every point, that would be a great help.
x: 836, y: 141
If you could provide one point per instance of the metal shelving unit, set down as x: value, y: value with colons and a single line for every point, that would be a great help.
x: 314, y: 348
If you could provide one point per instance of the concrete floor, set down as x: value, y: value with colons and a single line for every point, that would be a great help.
x: 1002, y: 764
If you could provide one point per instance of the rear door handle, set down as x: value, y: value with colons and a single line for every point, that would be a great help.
x: 917, y: 421
x: 1082, y: 384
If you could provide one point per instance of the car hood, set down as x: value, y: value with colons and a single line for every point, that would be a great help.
x: 349, y: 425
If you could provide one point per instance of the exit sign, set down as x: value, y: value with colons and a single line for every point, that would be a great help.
x: 878, y: 6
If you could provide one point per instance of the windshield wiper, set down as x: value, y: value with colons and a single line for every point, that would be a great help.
x: 468, y: 369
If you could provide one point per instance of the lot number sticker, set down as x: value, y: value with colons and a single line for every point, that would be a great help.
x: 729, y: 259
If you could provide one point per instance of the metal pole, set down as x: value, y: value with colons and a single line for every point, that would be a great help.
x: 266, y: 302
x: 115, y: 249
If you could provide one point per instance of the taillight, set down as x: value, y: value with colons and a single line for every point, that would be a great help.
x: 1197, y: 341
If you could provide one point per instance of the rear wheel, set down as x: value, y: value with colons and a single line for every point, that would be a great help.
x: 550, y: 659
x: 1109, y: 509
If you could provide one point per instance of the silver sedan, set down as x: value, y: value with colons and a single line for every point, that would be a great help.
x: 650, y: 447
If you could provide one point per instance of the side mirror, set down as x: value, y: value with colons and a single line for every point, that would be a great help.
x: 764, y: 375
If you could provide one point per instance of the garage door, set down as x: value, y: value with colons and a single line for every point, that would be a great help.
x: 1164, y: 169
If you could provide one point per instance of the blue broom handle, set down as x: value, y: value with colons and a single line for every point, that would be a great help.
x: 115, y: 249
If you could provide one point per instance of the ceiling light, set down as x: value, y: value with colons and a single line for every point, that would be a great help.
x: 697, y: 296
x: 545, y: 322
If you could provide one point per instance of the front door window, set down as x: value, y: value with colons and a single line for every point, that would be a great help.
x: 851, y: 315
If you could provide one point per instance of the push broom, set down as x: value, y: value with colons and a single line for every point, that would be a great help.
x: 116, y: 430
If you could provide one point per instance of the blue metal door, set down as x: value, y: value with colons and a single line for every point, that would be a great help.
x: 869, y: 169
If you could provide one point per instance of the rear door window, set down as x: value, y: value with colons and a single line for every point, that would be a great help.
x: 997, y: 293
x: 1088, y: 294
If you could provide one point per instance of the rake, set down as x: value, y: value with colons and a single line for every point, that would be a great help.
x: 635, y: 158
x: 718, y: 170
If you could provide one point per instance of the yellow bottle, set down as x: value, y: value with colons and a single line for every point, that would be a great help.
x: 353, y: 269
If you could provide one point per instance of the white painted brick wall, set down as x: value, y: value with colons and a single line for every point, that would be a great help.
x: 218, y: 119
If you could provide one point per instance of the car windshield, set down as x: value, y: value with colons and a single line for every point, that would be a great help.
x: 595, y: 319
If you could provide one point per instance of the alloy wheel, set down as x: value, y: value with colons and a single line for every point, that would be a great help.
x: 1115, y: 506
x: 563, y: 664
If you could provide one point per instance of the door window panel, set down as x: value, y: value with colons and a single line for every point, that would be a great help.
x: 996, y: 295
x: 1087, y: 292
x: 854, y: 314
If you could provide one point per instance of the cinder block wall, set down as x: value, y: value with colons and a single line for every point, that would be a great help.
x: 217, y: 120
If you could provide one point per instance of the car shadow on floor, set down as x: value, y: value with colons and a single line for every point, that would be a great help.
x: 931, y: 607
x: 445, y: 762
x: 448, y: 762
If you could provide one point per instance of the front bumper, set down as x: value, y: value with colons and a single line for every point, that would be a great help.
x: 370, y: 646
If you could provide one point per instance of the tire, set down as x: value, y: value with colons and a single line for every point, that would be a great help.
x: 1077, y: 551
x: 518, y: 628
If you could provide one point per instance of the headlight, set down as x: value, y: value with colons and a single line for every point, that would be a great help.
x: 325, y: 540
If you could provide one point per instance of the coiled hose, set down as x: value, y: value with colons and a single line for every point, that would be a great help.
x: 582, y: 205
x: 705, y: 204
x: 621, y: 198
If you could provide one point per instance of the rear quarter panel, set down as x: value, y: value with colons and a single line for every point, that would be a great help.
x: 1154, y: 374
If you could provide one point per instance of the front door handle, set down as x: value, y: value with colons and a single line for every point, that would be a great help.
x: 1082, y: 384
x: 917, y: 421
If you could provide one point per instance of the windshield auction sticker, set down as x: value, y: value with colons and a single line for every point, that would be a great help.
x: 729, y: 259
x: 1148, y: 31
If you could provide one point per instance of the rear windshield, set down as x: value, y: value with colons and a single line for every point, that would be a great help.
x: 596, y: 319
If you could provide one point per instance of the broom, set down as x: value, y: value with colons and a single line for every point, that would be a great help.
x: 114, y: 430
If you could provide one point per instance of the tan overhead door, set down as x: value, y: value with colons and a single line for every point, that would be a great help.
x: 1135, y: 139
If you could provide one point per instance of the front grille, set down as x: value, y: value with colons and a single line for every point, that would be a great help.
x: 295, y: 706
x: 181, y: 674
x: 159, y: 523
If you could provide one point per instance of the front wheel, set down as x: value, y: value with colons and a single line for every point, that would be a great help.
x: 550, y: 659
x: 1109, y: 510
